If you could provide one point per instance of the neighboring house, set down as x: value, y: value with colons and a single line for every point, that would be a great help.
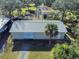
x: 4, y: 26
x: 4, y: 23
x: 35, y: 29
x: 44, y: 10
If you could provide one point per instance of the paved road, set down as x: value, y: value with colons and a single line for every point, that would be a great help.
x: 23, y: 55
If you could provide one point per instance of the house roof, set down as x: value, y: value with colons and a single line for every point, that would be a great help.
x: 3, y: 21
x: 44, y: 8
x: 35, y: 25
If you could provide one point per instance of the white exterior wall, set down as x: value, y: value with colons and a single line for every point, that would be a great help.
x: 29, y: 35
x: 44, y: 36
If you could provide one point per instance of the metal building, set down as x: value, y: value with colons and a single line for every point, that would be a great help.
x: 35, y: 29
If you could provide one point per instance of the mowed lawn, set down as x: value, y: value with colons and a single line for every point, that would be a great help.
x: 39, y: 55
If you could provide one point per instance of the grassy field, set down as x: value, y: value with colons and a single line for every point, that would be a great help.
x: 39, y: 55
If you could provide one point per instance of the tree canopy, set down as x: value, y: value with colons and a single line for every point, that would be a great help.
x: 50, y: 29
x: 66, y: 4
x: 8, y: 5
x: 64, y: 51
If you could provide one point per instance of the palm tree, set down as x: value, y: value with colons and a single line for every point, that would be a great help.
x: 51, y: 30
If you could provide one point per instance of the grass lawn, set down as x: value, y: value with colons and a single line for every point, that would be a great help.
x: 39, y: 55
x: 8, y: 53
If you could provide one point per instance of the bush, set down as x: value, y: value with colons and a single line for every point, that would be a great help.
x: 56, y: 15
x: 64, y: 51
x: 70, y: 16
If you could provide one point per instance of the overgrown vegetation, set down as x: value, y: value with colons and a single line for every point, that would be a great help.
x: 64, y: 51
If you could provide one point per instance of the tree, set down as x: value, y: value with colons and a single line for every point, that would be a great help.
x: 64, y: 5
x: 50, y: 30
x: 23, y: 1
x: 64, y: 51
x: 76, y: 31
x: 56, y: 15
x: 77, y: 39
x: 8, y: 5
x: 70, y: 17
x: 46, y: 2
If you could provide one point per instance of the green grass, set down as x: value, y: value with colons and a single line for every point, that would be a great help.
x: 39, y: 55
x: 9, y: 55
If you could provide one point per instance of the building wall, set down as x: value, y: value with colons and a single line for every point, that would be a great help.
x: 29, y: 35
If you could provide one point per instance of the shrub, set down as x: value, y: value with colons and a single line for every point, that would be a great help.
x: 64, y: 51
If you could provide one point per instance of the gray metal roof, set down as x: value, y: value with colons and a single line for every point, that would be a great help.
x: 3, y: 21
x: 35, y: 25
